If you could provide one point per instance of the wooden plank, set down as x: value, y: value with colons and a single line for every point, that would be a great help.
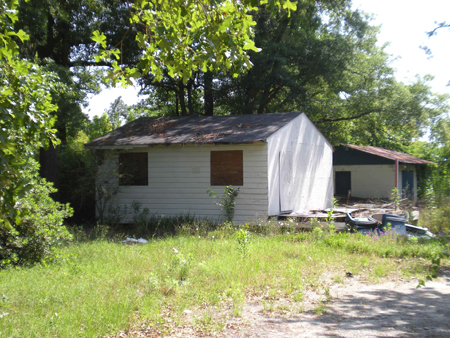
x: 179, y: 179
x: 227, y: 167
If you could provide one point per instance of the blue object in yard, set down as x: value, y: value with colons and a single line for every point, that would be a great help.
x: 395, y: 223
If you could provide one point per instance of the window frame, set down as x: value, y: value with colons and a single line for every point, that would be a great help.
x: 227, y: 167
x: 136, y: 163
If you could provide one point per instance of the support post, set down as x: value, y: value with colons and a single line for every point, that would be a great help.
x: 396, y: 174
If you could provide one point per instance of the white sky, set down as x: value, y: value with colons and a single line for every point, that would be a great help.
x: 403, y: 25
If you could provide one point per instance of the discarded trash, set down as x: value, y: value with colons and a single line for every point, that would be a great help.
x: 419, y: 232
x: 134, y: 241
x: 392, y: 223
x: 362, y: 225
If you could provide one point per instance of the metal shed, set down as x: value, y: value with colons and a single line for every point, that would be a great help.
x: 373, y: 172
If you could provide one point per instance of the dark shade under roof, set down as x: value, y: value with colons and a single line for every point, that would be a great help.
x: 183, y: 130
x: 389, y: 154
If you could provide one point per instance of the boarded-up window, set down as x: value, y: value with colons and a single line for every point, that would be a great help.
x: 133, y: 169
x: 227, y: 167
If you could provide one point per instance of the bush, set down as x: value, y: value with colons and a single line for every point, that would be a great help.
x: 76, y: 179
x: 437, y: 218
x: 41, y: 232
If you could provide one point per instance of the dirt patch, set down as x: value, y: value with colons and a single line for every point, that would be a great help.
x: 351, y: 309
x: 390, y: 309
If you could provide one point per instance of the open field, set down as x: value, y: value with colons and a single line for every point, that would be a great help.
x: 100, y: 288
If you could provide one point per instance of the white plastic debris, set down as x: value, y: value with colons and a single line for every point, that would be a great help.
x: 135, y: 241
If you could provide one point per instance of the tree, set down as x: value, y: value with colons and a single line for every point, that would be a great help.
x: 184, y: 36
x: 439, y: 26
x: 333, y: 71
x: 433, y: 32
x: 173, y: 97
x: 140, y: 37
x: 117, y: 112
x: 25, y: 114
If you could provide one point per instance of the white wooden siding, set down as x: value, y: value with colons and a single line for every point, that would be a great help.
x: 376, y: 180
x: 370, y: 181
x: 179, y: 177
x: 311, y: 183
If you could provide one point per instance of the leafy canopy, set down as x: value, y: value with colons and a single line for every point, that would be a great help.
x: 25, y: 108
x: 183, y: 36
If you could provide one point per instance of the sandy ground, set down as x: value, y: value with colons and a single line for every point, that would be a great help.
x: 390, y: 309
x: 355, y: 309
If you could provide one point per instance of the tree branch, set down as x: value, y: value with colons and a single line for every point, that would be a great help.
x: 346, y: 118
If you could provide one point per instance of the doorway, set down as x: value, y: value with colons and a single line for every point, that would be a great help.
x: 343, y: 182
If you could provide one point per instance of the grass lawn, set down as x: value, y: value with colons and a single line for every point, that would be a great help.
x: 102, y: 287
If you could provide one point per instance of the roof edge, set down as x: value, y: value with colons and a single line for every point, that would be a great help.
x: 392, y: 154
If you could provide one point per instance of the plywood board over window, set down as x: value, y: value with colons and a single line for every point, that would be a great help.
x: 133, y: 169
x: 227, y: 167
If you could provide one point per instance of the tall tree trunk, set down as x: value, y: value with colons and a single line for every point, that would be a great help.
x: 208, y: 94
x: 48, y: 158
x: 181, y: 98
x: 190, y: 105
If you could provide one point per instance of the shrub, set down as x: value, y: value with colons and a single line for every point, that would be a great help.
x: 41, y: 232
x: 436, y: 218
x: 77, y: 170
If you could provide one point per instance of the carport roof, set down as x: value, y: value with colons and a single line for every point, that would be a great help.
x: 390, y: 154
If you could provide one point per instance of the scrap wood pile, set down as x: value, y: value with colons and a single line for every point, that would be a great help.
x: 363, y: 216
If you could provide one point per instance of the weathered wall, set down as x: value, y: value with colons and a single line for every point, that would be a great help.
x: 303, y: 147
x: 376, y: 181
x: 179, y: 177
x: 370, y: 181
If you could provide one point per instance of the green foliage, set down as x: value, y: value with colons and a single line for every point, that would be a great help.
x: 181, y: 37
x: 330, y: 219
x: 99, y: 126
x: 25, y: 120
x: 395, y: 198
x: 117, y: 112
x: 243, y: 238
x: 126, y: 286
x: 436, y: 217
x: 434, y: 179
x: 435, y: 264
x: 76, y: 178
x: 41, y: 233
x: 227, y: 202
x: 180, y: 266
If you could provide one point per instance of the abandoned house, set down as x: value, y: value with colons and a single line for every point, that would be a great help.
x: 372, y: 172
x: 279, y: 162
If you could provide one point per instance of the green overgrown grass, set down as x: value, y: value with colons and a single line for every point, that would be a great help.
x: 436, y: 217
x: 103, y: 287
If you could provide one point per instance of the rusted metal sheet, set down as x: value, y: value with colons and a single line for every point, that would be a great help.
x: 390, y: 154
x: 245, y: 128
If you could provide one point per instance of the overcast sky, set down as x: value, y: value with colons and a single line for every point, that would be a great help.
x: 403, y: 26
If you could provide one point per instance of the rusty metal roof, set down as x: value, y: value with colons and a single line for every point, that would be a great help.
x: 183, y: 130
x: 390, y: 154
